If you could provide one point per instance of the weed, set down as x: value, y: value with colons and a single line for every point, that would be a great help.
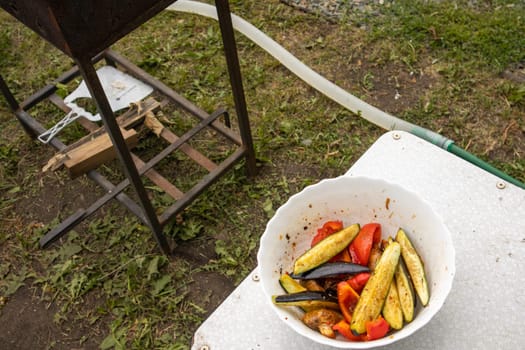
x: 9, y: 158
x: 513, y: 93
x: 368, y: 81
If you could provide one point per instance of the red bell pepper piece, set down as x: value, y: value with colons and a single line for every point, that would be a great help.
x: 377, y: 328
x: 347, y: 298
x: 360, y: 247
x: 343, y: 327
x: 326, y: 230
x: 334, y: 225
x: 358, y: 282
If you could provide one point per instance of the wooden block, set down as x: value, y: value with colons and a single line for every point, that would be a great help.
x: 95, y: 152
x: 128, y: 119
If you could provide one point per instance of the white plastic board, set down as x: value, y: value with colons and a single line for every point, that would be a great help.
x: 486, y: 216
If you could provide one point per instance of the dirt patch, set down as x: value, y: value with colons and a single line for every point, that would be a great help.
x: 29, y: 319
x: 393, y: 88
x: 211, y: 289
x: 29, y: 323
x: 332, y: 10
x: 515, y: 72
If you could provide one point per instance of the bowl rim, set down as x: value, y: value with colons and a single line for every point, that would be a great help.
x: 436, y: 305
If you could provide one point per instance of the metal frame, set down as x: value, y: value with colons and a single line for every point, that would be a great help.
x: 144, y: 209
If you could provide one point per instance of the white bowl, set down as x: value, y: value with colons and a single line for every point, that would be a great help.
x: 356, y: 200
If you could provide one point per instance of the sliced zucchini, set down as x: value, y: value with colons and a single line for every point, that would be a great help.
x: 325, y: 249
x: 405, y: 290
x: 307, y: 300
x: 332, y: 269
x: 392, y: 308
x: 376, y: 289
x: 414, y: 266
x: 290, y: 285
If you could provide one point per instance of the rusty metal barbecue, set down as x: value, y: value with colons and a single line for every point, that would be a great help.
x: 84, y: 30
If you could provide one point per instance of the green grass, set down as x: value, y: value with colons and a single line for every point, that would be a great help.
x: 488, y: 36
x: 137, y: 298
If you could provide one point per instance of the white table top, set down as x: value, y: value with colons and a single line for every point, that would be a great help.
x: 486, y: 216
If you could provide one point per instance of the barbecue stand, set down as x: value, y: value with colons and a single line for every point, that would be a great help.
x: 84, y: 30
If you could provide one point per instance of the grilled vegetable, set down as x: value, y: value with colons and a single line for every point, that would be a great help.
x: 332, y: 269
x: 347, y: 298
x: 328, y: 228
x: 374, y: 294
x: 359, y: 281
x: 376, y: 329
x: 375, y: 254
x: 307, y: 300
x: 392, y: 308
x: 414, y: 266
x: 343, y: 328
x: 405, y: 291
x: 290, y: 285
x: 362, y: 245
x: 322, y: 320
x: 312, y: 285
x: 325, y: 249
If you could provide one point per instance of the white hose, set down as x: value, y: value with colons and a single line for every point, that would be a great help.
x: 312, y: 78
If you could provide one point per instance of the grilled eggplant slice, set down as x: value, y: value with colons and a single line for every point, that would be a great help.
x: 414, y: 266
x: 332, y: 269
x: 325, y: 249
x: 376, y: 289
x: 307, y: 300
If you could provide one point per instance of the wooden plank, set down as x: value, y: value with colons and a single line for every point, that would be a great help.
x: 95, y: 152
x: 191, y: 152
x: 158, y: 179
x: 126, y: 120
